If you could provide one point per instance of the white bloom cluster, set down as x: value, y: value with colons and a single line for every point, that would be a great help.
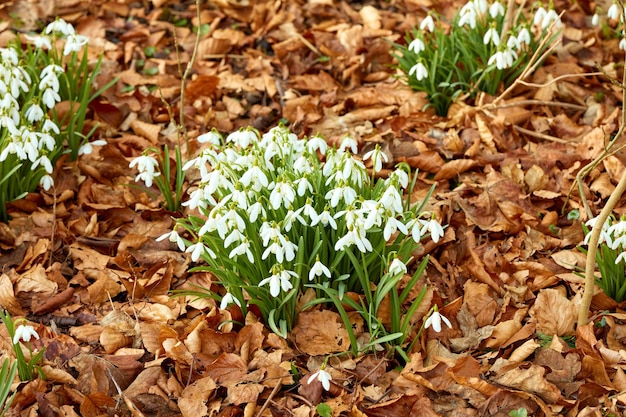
x: 25, y: 127
x: 613, y: 234
x: 263, y: 195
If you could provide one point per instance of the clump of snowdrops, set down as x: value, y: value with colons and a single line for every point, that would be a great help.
x: 611, y: 256
x: 471, y: 53
x: 277, y: 221
x: 612, y: 24
x: 35, y: 76
x: 27, y: 367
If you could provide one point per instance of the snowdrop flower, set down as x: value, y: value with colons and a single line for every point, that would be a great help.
x: 44, y: 162
x: 378, y: 157
x: 420, y: 71
x: 468, y: 17
x: 325, y: 218
x: 60, y: 26
x: 213, y: 137
x: 397, y: 267
x: 255, y: 210
x: 254, y: 178
x: 435, y: 320
x: 303, y: 185
x: 428, y: 23
x: 282, y: 194
x: 25, y: 333
x: 279, y: 280
x: 34, y: 113
x: 323, y: 377
x: 317, y: 143
x: 391, y: 200
x: 616, y: 231
x: 40, y: 42
x: 282, y: 249
x: 551, y: 16
x: 595, y: 19
x: 197, y: 250
x: 491, y: 36
x: 355, y: 236
x: 614, y: 12
x: 622, y: 42
x: 348, y: 142
x: 228, y: 299
x: 392, y: 226
x: 173, y: 237
x: 147, y: 167
x: 417, y: 45
x: 74, y: 43
x: 46, y: 182
x: 242, y: 138
x: 432, y: 226
x: 87, y: 147
x: 496, y: 9
x: 539, y: 17
x: 523, y: 37
x: 243, y: 249
x: 318, y: 269
x: 50, y: 97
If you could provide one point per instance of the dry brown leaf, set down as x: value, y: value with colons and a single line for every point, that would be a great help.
x: 453, y: 168
x: 320, y: 333
x: 486, y: 137
x: 192, y: 401
x: 530, y: 379
x: 555, y: 313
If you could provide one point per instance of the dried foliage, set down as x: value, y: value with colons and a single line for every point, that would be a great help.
x: 81, y: 263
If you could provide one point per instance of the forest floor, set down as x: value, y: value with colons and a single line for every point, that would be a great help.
x: 82, y: 264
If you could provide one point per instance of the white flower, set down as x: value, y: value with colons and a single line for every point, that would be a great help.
x: 303, y: 185
x: 147, y: 167
x: 317, y: 270
x: 50, y: 97
x: 325, y: 218
x: 378, y: 157
x: 391, y: 226
x: 481, y: 6
x: 622, y: 43
x: 468, y: 18
x: 432, y: 226
x: 40, y: 42
x: 243, y: 249
x: 349, y: 142
x: 496, y: 9
x: 317, y: 143
x: 25, y: 333
x: 46, y: 182
x: 197, y: 250
x: 355, y: 236
x: 173, y: 237
x: 523, y: 37
x: 435, y: 320
x: 540, y: 15
x: 228, y: 299
x: 212, y: 137
x: 279, y: 280
x: 282, y: 249
x: 417, y: 45
x: 428, y: 23
x: 60, y: 25
x: 255, y: 178
x: 595, y: 19
x: 50, y: 126
x: 282, y: 194
x: 491, y: 36
x: 420, y: 71
x: 397, y: 267
x: 391, y: 200
x: 74, y: 43
x: 87, y: 147
x: 255, y: 210
x: 242, y: 138
x: 613, y: 12
x: 551, y: 16
x: 323, y: 377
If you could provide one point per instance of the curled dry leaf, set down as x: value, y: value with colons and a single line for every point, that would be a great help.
x: 192, y: 401
x: 454, y: 168
x: 320, y: 333
x: 555, y: 313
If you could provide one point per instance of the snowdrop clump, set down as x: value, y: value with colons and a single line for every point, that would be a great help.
x: 476, y: 39
x: 282, y: 214
x: 32, y: 82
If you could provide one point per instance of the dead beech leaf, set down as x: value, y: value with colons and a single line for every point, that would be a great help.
x: 569, y: 259
x: 147, y: 130
x: 7, y: 297
x: 428, y: 161
x: 524, y: 351
x: 481, y: 302
x: 602, y: 185
x: 486, y: 137
x: 453, y: 168
x: 530, y: 379
x: 535, y: 178
x: 320, y: 333
x: 555, y: 313
x: 239, y: 393
x: 192, y: 401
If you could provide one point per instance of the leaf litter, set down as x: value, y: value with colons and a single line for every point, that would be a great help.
x: 81, y: 262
